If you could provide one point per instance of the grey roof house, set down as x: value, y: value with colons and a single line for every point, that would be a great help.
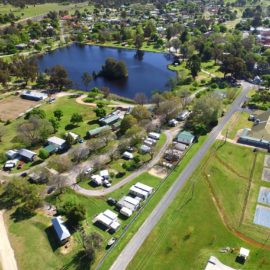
x: 61, y: 230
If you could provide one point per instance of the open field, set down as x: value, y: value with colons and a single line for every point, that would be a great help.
x: 111, y: 256
x: 12, y: 106
x: 21, y: 232
x: 67, y: 104
x: 237, y: 122
x: 25, y: 244
x: 36, y: 10
x: 192, y: 228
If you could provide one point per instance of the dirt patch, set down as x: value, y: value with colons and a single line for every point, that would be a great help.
x: 158, y: 171
x: 65, y: 249
x: 13, y: 106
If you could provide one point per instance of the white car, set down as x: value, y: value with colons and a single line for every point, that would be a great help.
x: 89, y: 170
x: 106, y: 183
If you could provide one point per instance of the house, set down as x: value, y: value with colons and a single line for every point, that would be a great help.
x: 259, y: 134
x: 109, y: 120
x: 97, y: 179
x: 126, y: 211
x: 75, y: 137
x: 95, y: 132
x: 127, y: 155
x: 180, y: 146
x: 214, y: 264
x: 61, y: 230
x: 12, y: 154
x: 51, y: 149
x: 59, y: 143
x: 145, y: 149
x: 108, y: 219
x: 138, y: 192
x: 244, y: 253
x: 144, y: 187
x: 154, y: 135
x: 185, y: 137
x: 26, y: 155
x: 104, y: 174
x: 148, y: 142
x: 128, y: 202
x: 33, y: 95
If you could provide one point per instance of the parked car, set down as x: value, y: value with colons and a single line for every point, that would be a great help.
x: 89, y: 170
x: 80, y: 140
x: 24, y: 174
x: 111, y: 201
x: 106, y: 183
x: 111, y: 241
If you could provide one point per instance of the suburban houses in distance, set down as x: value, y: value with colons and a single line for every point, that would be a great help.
x: 135, y: 135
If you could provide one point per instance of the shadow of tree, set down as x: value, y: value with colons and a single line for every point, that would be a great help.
x: 20, y: 214
x: 79, y: 262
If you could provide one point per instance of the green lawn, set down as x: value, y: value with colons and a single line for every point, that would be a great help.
x: 151, y: 205
x: 36, y: 10
x: 238, y: 121
x: 69, y: 106
x: 191, y: 229
x: 22, y: 232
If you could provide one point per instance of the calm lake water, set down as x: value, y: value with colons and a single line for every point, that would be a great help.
x: 145, y: 75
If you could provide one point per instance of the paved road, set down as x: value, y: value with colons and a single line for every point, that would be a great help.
x: 136, y: 242
x: 170, y: 134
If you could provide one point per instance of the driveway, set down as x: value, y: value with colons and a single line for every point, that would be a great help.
x: 140, y: 236
x: 7, y: 256
x: 170, y: 134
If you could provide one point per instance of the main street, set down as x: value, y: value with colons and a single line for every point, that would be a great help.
x: 137, y: 240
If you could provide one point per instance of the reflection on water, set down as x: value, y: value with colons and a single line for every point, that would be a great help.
x: 147, y: 71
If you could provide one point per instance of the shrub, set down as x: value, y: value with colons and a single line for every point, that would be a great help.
x: 43, y: 154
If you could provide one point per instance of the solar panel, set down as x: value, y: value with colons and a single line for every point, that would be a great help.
x: 262, y: 216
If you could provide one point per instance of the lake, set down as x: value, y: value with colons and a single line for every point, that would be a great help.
x: 145, y: 75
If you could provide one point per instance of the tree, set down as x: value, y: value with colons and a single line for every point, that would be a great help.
x: 157, y: 99
x: 36, y: 112
x: 128, y: 122
x: 4, y: 77
x: 135, y: 134
x: 106, y: 136
x: 140, y: 98
x: 76, y: 214
x: 80, y: 153
x: 205, y: 113
x: 58, y: 114
x: 55, y: 124
x: 28, y: 69
x: 140, y: 112
x: 43, y: 154
x: 76, y: 118
x: 113, y: 69
x: 86, y: 79
x: 34, y: 131
x: 3, y: 132
x: 234, y: 65
x: 59, y: 78
x: 138, y: 41
x: 194, y: 65
x: 100, y: 112
x: 60, y: 164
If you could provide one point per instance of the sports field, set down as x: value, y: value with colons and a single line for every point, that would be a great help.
x: 214, y: 210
